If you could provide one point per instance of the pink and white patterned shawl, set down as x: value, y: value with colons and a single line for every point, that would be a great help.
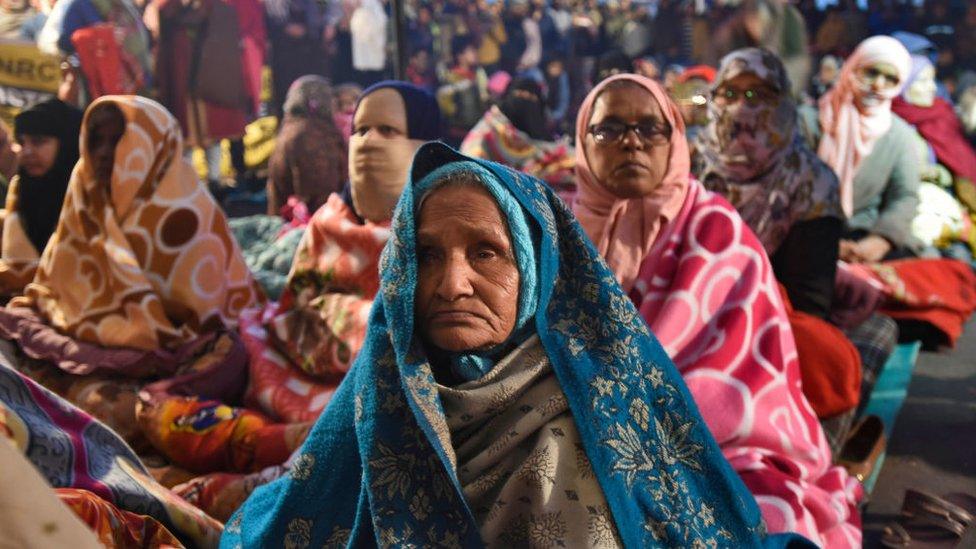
x: 707, y: 291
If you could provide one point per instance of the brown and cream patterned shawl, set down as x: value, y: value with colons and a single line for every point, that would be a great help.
x: 148, y: 262
x: 18, y: 256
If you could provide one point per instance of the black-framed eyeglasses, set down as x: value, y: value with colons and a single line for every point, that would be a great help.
x: 654, y: 133
x: 728, y: 96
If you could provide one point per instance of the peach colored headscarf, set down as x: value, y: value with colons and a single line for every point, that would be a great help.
x: 624, y: 229
x: 849, y: 130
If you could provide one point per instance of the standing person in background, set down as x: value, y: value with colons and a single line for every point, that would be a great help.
x: 254, y: 44
x: 368, y: 28
x: 200, y: 76
x: 528, y: 63
x: 516, y: 41
x: 491, y: 32
x: 637, y: 34
x: 558, y: 96
x: 13, y: 15
x: 667, y: 30
x: 586, y: 41
x: 295, y: 33
x: 420, y: 35
x: 464, y: 95
x: 966, y: 39
x: 776, y: 26
x: 560, y: 11
x: 31, y: 28
x: 109, y: 30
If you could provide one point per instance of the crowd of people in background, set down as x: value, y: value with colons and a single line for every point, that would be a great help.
x: 590, y: 274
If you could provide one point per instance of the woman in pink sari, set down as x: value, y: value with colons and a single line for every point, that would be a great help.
x: 703, y: 283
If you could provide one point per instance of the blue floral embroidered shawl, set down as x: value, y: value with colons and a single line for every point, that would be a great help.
x: 378, y: 468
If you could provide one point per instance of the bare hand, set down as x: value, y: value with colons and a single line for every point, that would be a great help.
x: 848, y: 251
x: 295, y: 30
x: 873, y: 248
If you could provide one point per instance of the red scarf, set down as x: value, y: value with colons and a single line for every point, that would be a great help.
x: 940, y: 126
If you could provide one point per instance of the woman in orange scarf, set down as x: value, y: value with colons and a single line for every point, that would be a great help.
x: 141, y: 280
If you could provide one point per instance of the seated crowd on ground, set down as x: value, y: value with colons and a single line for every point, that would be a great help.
x: 657, y: 330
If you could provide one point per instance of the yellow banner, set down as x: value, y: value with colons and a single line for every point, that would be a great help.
x: 24, y: 66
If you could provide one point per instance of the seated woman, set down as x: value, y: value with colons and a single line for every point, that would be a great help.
x: 949, y: 157
x: 48, y: 138
x: 487, y: 410
x: 870, y: 150
x: 318, y: 326
x: 515, y: 133
x: 141, y: 280
x: 752, y: 154
x: 702, y: 281
x: 301, y: 348
x: 309, y: 160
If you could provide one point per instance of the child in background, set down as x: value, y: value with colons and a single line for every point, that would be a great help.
x: 346, y: 97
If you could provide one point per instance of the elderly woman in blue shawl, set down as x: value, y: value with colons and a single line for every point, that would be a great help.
x: 508, y: 394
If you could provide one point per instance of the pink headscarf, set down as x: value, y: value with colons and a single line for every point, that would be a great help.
x: 624, y: 229
x: 850, y: 130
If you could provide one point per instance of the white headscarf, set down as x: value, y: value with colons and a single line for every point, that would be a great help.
x: 850, y: 129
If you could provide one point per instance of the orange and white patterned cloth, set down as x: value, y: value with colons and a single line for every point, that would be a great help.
x: 301, y: 349
x: 18, y: 256
x: 148, y: 262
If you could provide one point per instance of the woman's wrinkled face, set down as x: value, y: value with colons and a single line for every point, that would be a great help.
x: 468, y: 279
x: 922, y: 91
x: 37, y: 153
x: 106, y: 125
x: 627, y: 144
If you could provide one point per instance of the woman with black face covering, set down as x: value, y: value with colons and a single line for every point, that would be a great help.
x: 515, y: 133
x: 48, y: 137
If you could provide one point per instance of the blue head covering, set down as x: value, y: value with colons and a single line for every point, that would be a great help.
x: 916, y: 44
x: 423, y: 112
x: 382, y: 442
x: 470, y: 366
x: 919, y: 63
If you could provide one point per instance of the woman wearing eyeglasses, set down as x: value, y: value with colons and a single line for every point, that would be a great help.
x: 701, y: 280
x: 870, y: 149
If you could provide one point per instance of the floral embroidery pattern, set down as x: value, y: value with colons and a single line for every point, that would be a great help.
x: 601, y: 529
x: 542, y: 530
x: 299, y: 534
x: 537, y: 470
x: 302, y: 468
x: 651, y: 450
x: 339, y: 538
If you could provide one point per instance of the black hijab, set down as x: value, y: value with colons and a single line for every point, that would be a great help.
x: 41, y: 198
x: 527, y: 115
